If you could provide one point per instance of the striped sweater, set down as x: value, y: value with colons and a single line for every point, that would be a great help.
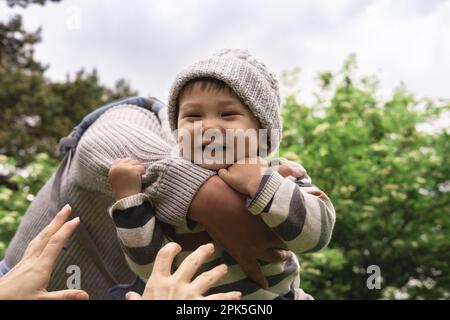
x: 302, y: 220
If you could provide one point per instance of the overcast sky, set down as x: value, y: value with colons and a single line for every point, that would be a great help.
x: 148, y: 42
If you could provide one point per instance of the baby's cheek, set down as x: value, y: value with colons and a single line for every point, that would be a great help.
x: 251, y: 147
x: 186, y: 145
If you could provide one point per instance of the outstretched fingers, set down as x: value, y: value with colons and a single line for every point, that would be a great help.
x: 208, y: 279
x: 38, y: 244
x: 192, y: 262
x: 164, y: 259
x: 56, y: 242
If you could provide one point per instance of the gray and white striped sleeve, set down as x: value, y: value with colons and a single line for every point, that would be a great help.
x: 140, y: 234
x: 296, y: 210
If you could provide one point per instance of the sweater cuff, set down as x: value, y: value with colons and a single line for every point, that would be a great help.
x: 128, y: 202
x: 266, y: 191
x: 175, y: 187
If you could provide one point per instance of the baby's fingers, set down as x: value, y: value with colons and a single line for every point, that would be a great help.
x: 287, y: 171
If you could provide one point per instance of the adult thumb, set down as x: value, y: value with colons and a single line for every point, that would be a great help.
x: 70, y: 294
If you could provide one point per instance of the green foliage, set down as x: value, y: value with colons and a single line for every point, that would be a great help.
x: 389, y: 182
x: 16, y: 45
x: 19, y: 187
x: 37, y: 112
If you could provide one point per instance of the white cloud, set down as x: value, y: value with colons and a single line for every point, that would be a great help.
x: 148, y: 42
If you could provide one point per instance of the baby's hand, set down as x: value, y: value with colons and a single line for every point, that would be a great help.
x: 125, y: 177
x: 245, y: 176
x: 288, y: 169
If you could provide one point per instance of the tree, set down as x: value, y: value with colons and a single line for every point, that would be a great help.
x: 36, y: 111
x: 389, y: 182
x: 25, y: 3
x: 17, y: 46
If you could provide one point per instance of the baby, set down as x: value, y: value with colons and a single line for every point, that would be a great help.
x: 224, y: 111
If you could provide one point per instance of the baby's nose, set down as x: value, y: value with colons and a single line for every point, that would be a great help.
x: 212, y: 127
x: 211, y: 124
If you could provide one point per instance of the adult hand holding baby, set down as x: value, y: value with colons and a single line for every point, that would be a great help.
x: 243, y: 235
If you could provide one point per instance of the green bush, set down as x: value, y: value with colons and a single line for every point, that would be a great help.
x: 389, y: 182
x: 17, y: 189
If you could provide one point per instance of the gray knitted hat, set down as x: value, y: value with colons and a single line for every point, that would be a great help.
x: 247, y: 77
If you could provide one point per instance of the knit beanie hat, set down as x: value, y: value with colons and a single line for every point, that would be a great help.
x: 247, y: 76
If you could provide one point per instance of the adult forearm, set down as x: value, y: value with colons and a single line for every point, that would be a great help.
x: 243, y: 235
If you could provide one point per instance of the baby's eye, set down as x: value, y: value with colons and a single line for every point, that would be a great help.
x: 229, y: 114
x: 192, y: 115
